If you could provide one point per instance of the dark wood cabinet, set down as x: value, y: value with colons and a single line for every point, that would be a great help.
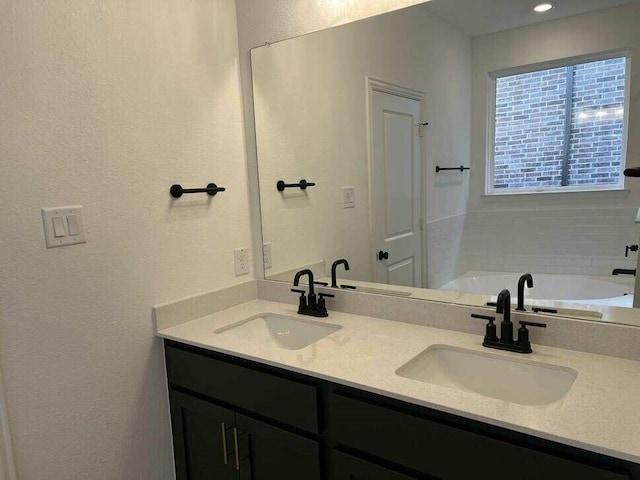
x: 347, y: 467
x: 201, y: 432
x: 242, y: 420
x: 269, y: 453
x: 214, y: 443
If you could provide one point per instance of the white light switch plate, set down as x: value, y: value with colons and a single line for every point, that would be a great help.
x: 63, y: 226
x: 348, y: 197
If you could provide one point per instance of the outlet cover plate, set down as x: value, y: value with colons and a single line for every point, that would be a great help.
x: 241, y: 260
x: 266, y: 255
x: 348, y: 197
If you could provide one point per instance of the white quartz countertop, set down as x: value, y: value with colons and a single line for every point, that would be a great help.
x: 601, y: 412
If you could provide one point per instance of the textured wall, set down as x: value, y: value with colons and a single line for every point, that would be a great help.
x: 106, y: 104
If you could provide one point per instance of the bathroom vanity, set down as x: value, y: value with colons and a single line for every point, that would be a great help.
x: 347, y: 406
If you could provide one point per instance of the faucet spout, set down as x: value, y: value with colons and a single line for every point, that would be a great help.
x: 301, y: 273
x: 504, y: 307
x: 528, y: 279
x: 334, y: 267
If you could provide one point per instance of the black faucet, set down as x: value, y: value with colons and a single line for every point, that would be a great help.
x: 310, y: 304
x: 623, y: 271
x: 528, y: 278
x: 504, y: 307
x: 505, y: 342
x: 334, y: 267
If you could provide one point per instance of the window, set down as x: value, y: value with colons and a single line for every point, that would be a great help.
x: 560, y: 128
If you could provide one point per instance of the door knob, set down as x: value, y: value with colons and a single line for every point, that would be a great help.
x: 383, y: 255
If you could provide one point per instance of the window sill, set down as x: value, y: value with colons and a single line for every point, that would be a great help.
x: 617, y: 192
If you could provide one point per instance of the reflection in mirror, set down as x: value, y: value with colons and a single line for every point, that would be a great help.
x: 454, y: 146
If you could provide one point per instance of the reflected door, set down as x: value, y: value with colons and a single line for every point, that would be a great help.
x: 396, y: 189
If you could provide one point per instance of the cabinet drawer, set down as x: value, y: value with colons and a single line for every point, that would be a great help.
x: 346, y: 467
x: 444, y: 451
x: 265, y: 394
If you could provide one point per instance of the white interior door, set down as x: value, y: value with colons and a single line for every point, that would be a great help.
x: 396, y: 189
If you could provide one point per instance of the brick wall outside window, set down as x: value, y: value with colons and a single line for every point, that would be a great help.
x: 532, y: 141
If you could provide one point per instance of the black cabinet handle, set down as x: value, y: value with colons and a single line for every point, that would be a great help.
x: 235, y: 444
x: 383, y: 255
x: 224, y: 442
x: 630, y: 248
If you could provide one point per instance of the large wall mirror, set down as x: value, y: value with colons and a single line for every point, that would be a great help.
x: 448, y: 148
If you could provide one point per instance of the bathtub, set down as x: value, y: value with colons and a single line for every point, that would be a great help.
x: 594, y: 290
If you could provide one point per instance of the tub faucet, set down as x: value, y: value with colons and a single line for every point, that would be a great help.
x: 528, y: 278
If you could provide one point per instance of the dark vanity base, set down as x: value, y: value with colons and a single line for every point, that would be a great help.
x: 237, y: 419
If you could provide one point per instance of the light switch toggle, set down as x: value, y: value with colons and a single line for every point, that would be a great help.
x: 72, y: 224
x: 58, y: 227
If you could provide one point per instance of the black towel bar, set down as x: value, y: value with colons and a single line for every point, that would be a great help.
x: 632, y: 172
x: 212, y: 189
x: 302, y: 185
x: 459, y: 169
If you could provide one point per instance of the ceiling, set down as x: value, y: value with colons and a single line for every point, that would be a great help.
x: 478, y: 17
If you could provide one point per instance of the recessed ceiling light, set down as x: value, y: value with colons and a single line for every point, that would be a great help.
x: 543, y: 7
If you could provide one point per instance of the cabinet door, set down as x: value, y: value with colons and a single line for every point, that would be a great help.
x: 202, y: 439
x: 346, y: 467
x: 269, y: 453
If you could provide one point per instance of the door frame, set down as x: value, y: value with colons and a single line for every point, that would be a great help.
x: 377, y: 85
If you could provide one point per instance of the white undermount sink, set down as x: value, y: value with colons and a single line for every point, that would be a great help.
x: 285, y: 332
x: 511, y: 380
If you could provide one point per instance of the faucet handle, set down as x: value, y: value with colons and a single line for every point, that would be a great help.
x: 523, y: 334
x: 532, y: 324
x: 302, y: 303
x: 490, y: 332
x: 323, y: 295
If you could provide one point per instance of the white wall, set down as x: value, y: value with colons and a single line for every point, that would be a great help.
x: 582, y: 232
x: 106, y: 104
x: 260, y: 22
x: 310, y: 98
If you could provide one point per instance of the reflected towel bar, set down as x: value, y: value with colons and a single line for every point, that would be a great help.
x: 461, y: 168
x: 212, y: 189
x: 632, y: 172
x: 302, y: 185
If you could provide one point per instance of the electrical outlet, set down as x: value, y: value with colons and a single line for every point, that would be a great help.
x: 241, y: 258
x: 266, y: 255
x: 348, y: 197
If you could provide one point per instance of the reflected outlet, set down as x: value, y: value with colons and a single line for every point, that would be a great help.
x: 266, y: 255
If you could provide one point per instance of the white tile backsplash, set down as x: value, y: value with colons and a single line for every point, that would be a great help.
x: 573, y: 241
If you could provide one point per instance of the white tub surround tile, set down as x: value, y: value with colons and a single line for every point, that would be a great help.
x: 598, y: 414
x: 177, y: 312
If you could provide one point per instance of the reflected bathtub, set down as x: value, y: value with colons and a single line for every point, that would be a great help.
x: 593, y: 290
